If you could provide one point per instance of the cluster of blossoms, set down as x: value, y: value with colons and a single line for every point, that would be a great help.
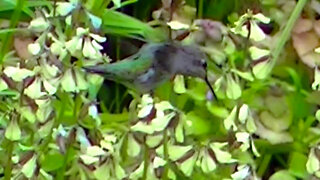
x: 35, y: 85
x: 45, y: 81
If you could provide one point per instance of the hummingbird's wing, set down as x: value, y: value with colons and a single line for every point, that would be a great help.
x: 126, y: 71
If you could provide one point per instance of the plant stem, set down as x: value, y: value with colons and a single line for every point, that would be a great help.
x: 200, y: 8
x: 146, y: 162
x: 264, y: 165
x: 62, y: 170
x: 8, y: 168
x: 286, y: 32
x: 166, y: 155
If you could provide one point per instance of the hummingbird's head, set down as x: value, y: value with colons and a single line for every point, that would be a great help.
x: 186, y: 60
x: 190, y: 61
x: 181, y: 59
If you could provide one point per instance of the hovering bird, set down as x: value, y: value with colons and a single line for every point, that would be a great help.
x: 154, y: 64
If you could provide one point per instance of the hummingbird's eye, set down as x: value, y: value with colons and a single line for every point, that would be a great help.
x: 204, y: 64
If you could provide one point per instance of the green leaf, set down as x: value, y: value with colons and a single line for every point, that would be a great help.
x: 262, y: 69
x: 179, y: 86
x: 3, y: 85
x: 89, y: 51
x: 80, y: 80
x: 277, y: 105
x: 95, y: 151
x: 154, y: 140
x: 25, y: 148
x: 45, y: 129
x: 157, y: 124
x: 257, y: 33
x: 52, y: 162
x: 64, y: 8
x: 120, y: 173
x: 158, y: 162
x: 29, y: 167
x: 137, y: 173
x: 242, y: 172
x: 257, y: 53
x: 44, y: 109
x: 67, y: 82
x: 49, y: 87
x: 316, y: 82
x: 88, y: 159
x: 48, y: 71
x: 254, y: 149
x: 297, y: 164
x: 45, y: 176
x: 6, y: 5
x: 171, y: 175
x: 313, y: 164
x: 221, y: 155
x: 179, y: 135
x: 39, y: 25
x: 102, y: 172
x: 195, y: 124
x: 207, y: 163
x: 233, y: 88
x: 273, y: 137
x: 27, y: 113
x: 243, y: 138
x: 262, y: 18
x: 13, y: 131
x: 250, y: 125
x: 177, y: 25
x: 318, y: 115
x: 175, y: 151
x: 163, y: 106
x: 74, y: 45
x: 245, y: 75
x: 281, y: 175
x: 218, y: 111
x: 34, y: 90
x: 197, y: 90
x: 133, y: 147
x: 187, y: 166
x: 121, y: 24
x: 277, y: 124
x: 229, y: 122
x: 243, y: 113
x: 34, y: 48
x: 95, y: 21
x: 145, y: 111
x: 17, y: 74
x: 117, y: 3
x: 295, y: 77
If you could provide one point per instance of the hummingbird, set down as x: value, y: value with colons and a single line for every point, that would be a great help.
x: 154, y: 64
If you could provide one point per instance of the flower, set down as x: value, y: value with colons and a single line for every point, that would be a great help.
x: 87, y: 43
x: 73, y: 80
x: 248, y: 23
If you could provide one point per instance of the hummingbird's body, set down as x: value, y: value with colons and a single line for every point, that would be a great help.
x: 153, y: 65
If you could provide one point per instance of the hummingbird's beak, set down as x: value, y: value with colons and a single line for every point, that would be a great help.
x: 210, y: 87
x: 95, y: 69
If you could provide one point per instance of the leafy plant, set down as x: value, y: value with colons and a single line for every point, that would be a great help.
x: 54, y: 125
